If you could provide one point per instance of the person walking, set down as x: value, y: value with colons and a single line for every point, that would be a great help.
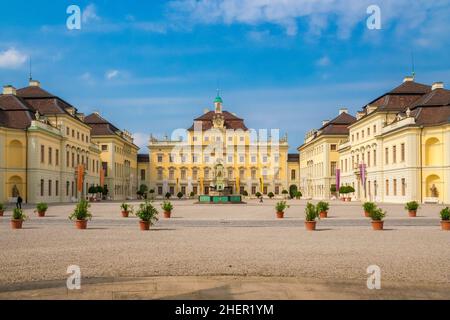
x: 19, y: 202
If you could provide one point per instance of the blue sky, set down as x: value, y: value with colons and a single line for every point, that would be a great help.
x: 152, y: 66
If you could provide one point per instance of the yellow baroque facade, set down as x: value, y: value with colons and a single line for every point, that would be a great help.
x: 398, y: 150
x: 118, y: 157
x: 319, y: 156
x: 185, y: 162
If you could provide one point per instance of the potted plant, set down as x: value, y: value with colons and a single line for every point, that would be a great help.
x: 180, y: 195
x: 2, y: 209
x: 148, y: 215
x: 168, y: 195
x: 92, y: 191
x: 322, y: 208
x: 343, y: 191
x: 445, y: 219
x: 258, y: 195
x: 311, y: 215
x: 245, y: 193
x: 350, y: 189
x: 377, y: 215
x: 126, y: 209
x: 271, y: 195
x: 368, y: 208
x: 41, y: 209
x: 333, y: 190
x: 18, y: 218
x: 412, y: 208
x: 192, y: 195
x: 167, y: 207
x: 298, y: 195
x: 280, y: 208
x: 81, y: 214
x: 285, y: 193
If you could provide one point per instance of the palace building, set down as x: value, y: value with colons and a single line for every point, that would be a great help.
x: 48, y: 151
x: 399, y: 147
x: 319, y: 156
x: 252, y: 162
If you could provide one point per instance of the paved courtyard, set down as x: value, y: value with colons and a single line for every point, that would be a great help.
x: 226, y: 252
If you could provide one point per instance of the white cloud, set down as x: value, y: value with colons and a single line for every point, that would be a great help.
x: 323, y: 62
x: 141, y: 140
x: 318, y: 15
x: 90, y: 14
x: 111, y: 74
x: 12, y: 58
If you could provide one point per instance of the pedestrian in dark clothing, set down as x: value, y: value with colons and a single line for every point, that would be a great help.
x: 19, y: 202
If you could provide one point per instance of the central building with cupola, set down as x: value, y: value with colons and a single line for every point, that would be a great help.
x: 218, y: 144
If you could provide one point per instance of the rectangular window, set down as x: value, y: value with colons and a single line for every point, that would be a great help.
x: 387, y: 187
x: 368, y: 132
x: 293, y: 175
x: 403, y: 187
x: 333, y: 147
x: 142, y: 174
x: 105, y: 168
x: 402, y: 152
x: 375, y: 191
x: 104, y: 147
x: 42, y: 154
x: 368, y: 158
x: 67, y: 188
x: 253, y: 190
x: 277, y: 190
x: 333, y: 168
x: 73, y: 160
x: 160, y: 191
x: 374, y: 157
x: 42, y: 187
x: 374, y: 129
x: 394, y: 154
x: 50, y: 155
x: 57, y: 157
x: 49, y: 188
x: 386, y: 156
x: 57, y: 188
x: 67, y: 131
x: 395, y: 187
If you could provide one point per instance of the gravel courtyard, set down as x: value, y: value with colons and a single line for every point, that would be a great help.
x: 243, y: 241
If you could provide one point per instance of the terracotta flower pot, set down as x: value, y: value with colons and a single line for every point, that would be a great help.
x: 310, y: 225
x: 445, y: 225
x: 2, y: 212
x: 81, y: 224
x: 41, y: 214
x: 412, y: 213
x: 323, y: 215
x: 144, y: 225
x: 377, y: 225
x: 167, y: 214
x: 125, y: 214
x: 16, y: 224
x: 366, y: 214
x: 280, y: 215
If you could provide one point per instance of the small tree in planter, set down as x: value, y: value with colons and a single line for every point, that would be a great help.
x: 92, y: 191
x: 350, y: 190
x: 445, y: 219
x: 322, y: 208
x: 41, y: 209
x: 167, y: 207
x: 168, y: 195
x: 148, y: 215
x: 126, y: 209
x: 192, y: 194
x: 377, y: 215
x: 298, y: 195
x: 143, y: 189
x: 152, y: 193
x: 245, y: 193
x: 333, y: 190
x: 343, y: 191
x: 311, y: 216
x: 104, y: 191
x: 2, y: 209
x: 280, y: 208
x: 180, y: 195
x: 412, y: 208
x: 81, y: 215
x: 285, y: 193
x: 271, y: 195
x: 368, y: 208
x: 18, y: 218
x: 258, y: 195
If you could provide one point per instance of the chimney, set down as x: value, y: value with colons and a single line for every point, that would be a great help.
x: 324, y: 122
x: 408, y: 79
x: 34, y: 83
x: 9, y: 90
x: 437, y: 85
x: 343, y: 110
